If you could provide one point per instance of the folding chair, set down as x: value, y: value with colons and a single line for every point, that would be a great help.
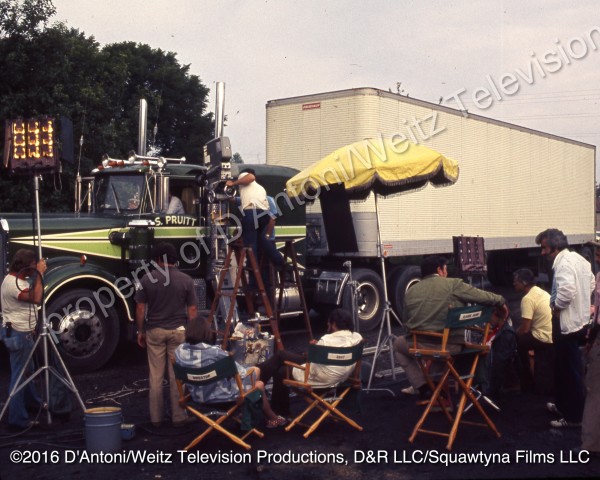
x: 326, y: 398
x: 219, y: 370
x: 476, y: 322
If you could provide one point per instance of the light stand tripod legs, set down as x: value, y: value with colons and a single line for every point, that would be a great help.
x: 45, y: 337
x: 388, y: 341
x: 46, y: 369
x: 353, y: 296
x: 388, y: 344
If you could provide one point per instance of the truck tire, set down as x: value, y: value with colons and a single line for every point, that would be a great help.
x: 369, y: 298
x: 400, y: 282
x: 88, y: 332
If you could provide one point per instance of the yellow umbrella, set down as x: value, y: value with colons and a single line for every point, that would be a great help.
x: 381, y: 165
x: 384, y: 166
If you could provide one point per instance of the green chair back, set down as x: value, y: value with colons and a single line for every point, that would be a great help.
x: 223, y: 368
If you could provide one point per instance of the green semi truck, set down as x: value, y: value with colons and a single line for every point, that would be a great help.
x: 97, y: 254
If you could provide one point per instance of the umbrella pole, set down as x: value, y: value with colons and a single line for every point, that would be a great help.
x: 387, y: 342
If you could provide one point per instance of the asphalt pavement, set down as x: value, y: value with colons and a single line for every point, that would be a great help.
x: 527, y: 448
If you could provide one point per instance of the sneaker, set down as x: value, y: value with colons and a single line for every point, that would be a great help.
x: 562, y: 423
x: 410, y: 391
x: 277, y: 422
x: 551, y: 407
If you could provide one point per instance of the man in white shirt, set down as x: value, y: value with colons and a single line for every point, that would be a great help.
x: 340, y: 326
x: 256, y: 216
x: 174, y: 206
x: 572, y: 288
x: 19, y: 300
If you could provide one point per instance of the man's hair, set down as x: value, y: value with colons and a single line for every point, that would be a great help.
x: 554, y: 237
x: 198, y: 330
x: 251, y: 171
x: 525, y: 276
x: 22, y: 259
x: 429, y: 265
x: 342, y: 319
x: 164, y: 248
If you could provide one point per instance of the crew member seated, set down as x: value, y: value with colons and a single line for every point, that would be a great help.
x: 534, y: 333
x: 426, y: 307
x: 133, y: 204
x: 198, y: 351
x: 174, y: 206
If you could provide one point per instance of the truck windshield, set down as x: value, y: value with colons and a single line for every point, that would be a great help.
x: 119, y: 193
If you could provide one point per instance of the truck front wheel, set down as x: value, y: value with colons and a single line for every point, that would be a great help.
x: 369, y: 298
x: 86, y: 326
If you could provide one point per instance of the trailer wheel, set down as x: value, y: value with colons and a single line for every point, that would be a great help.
x: 401, y: 281
x: 88, y: 332
x: 369, y: 298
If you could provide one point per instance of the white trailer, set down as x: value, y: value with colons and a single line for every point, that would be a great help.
x: 514, y: 182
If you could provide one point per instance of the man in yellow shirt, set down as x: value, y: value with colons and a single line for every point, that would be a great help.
x: 535, y: 331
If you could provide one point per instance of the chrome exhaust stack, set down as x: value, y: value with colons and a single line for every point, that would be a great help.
x: 143, y: 127
x: 219, y: 109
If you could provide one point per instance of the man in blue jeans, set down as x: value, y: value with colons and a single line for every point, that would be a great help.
x: 19, y: 298
x: 256, y: 218
x: 572, y: 288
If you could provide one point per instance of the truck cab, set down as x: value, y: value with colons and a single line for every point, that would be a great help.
x: 97, y: 254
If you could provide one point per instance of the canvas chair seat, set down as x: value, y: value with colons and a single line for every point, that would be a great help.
x: 327, y: 398
x: 475, y: 320
x: 221, y: 369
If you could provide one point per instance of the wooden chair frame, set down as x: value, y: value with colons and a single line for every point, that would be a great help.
x: 326, y: 398
x: 476, y: 319
x: 221, y: 369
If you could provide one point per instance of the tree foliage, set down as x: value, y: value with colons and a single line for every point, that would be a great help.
x: 237, y: 158
x: 24, y: 17
x: 61, y: 72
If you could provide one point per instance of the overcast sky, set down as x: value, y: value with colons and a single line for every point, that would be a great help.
x: 547, y: 53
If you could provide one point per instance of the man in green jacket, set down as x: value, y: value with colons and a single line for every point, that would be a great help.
x: 426, y: 307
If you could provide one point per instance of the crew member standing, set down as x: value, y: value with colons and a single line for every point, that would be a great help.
x: 18, y: 300
x: 256, y: 215
x: 165, y: 301
x: 572, y: 287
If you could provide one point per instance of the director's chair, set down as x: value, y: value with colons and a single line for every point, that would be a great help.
x: 326, y: 398
x: 222, y: 369
x: 475, y: 320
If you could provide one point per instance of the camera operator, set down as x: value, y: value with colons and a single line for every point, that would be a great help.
x: 19, y: 298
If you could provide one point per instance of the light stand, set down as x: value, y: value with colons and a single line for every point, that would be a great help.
x: 387, y: 343
x: 353, y: 284
x: 44, y: 339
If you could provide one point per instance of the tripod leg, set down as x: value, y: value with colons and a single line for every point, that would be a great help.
x: 376, y: 354
x: 69, y: 384
x: 18, y: 386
